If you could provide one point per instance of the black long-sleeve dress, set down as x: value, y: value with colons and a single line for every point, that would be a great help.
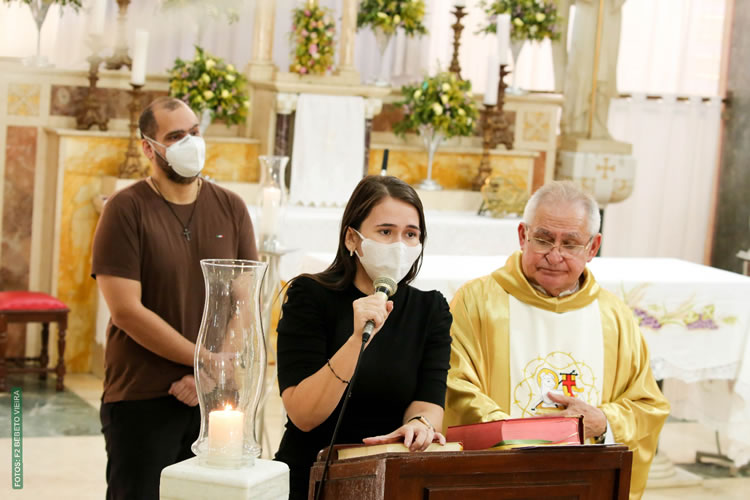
x: 406, y: 361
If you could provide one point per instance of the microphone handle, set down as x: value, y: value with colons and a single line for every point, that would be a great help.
x: 370, y: 325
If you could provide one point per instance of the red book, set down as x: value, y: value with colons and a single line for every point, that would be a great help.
x: 516, y: 432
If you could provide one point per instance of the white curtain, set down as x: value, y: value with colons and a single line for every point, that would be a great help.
x: 676, y: 146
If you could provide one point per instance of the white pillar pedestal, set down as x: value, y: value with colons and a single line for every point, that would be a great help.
x: 664, y: 474
x: 266, y: 480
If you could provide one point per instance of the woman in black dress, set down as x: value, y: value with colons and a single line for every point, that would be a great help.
x: 399, y: 392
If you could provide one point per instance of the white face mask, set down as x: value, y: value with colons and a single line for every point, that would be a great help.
x: 186, y: 156
x: 392, y: 260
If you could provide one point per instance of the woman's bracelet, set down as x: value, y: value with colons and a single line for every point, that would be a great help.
x: 334, y: 372
x: 422, y: 419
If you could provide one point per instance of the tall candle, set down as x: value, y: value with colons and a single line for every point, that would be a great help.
x: 225, y: 437
x: 493, y: 79
x: 269, y: 217
x: 98, y: 15
x: 140, y: 51
x: 503, y: 38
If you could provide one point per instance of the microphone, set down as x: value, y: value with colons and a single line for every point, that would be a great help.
x: 384, y: 287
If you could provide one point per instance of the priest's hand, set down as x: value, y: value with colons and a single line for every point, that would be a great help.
x: 185, y: 391
x: 594, y: 420
x: 415, y: 435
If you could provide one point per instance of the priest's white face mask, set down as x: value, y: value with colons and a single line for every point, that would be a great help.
x: 392, y: 260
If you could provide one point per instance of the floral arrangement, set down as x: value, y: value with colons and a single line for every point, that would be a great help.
x: 530, y: 19
x: 207, y: 82
x: 212, y: 8
x: 76, y: 4
x: 312, y: 31
x: 443, y: 102
x: 388, y: 15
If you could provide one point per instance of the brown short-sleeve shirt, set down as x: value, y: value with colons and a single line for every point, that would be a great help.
x: 139, y: 238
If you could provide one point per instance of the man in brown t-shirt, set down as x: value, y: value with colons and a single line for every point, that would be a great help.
x: 147, y: 250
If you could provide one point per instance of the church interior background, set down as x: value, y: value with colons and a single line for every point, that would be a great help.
x: 668, y: 165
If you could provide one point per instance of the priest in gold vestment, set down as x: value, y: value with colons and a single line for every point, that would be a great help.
x: 539, y: 336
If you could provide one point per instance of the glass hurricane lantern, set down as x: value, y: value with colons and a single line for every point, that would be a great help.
x: 230, y: 363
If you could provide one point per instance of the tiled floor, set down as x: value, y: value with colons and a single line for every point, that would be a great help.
x: 73, y: 467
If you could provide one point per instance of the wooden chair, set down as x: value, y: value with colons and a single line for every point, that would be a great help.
x: 32, y: 307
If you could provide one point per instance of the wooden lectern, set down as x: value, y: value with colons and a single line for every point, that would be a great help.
x: 592, y: 472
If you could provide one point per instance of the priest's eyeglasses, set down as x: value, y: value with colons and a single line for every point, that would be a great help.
x: 539, y: 245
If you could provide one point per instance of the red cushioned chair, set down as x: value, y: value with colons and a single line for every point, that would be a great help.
x: 32, y: 307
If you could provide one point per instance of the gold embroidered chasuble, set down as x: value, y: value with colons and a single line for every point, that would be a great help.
x: 479, y: 379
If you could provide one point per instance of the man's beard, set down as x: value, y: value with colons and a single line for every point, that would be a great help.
x: 171, y: 174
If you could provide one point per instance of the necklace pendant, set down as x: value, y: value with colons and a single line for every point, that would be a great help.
x: 186, y: 233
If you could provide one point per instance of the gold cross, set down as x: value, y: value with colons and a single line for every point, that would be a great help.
x: 606, y: 167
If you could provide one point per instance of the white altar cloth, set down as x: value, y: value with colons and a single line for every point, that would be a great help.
x: 316, y: 229
x: 696, y: 320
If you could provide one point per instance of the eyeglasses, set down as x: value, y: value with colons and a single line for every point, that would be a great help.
x: 538, y: 245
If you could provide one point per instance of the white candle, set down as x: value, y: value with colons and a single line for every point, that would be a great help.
x: 459, y: 3
x: 503, y: 38
x: 140, y: 51
x: 98, y: 15
x: 225, y: 437
x: 269, y: 216
x: 493, y: 79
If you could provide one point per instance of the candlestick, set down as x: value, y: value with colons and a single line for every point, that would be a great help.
x: 455, y: 66
x: 92, y: 111
x: 495, y: 130
x: 503, y: 38
x: 140, y: 53
x: 225, y: 433
x: 120, y: 58
x: 133, y: 166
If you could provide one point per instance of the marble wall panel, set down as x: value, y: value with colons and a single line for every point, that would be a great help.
x: 452, y: 170
x: 85, y: 160
x: 66, y: 99
x: 18, y: 204
x: 237, y: 162
x: 23, y: 99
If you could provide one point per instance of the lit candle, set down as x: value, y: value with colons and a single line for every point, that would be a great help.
x: 98, y: 14
x: 503, y: 38
x: 140, y: 51
x: 493, y: 79
x: 270, y: 210
x: 225, y: 437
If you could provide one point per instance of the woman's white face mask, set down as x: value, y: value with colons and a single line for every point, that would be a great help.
x: 186, y: 156
x: 392, y: 260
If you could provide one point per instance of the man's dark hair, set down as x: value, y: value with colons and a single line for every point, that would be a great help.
x: 147, y: 122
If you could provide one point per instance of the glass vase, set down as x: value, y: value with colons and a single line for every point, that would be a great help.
x: 515, y: 50
x: 230, y: 363
x: 39, y: 10
x: 432, y: 140
x: 383, y: 41
x: 271, y: 201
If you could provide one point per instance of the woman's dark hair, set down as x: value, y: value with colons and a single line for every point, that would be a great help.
x: 369, y: 192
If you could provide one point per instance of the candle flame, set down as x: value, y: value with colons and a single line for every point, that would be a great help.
x: 228, y: 407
